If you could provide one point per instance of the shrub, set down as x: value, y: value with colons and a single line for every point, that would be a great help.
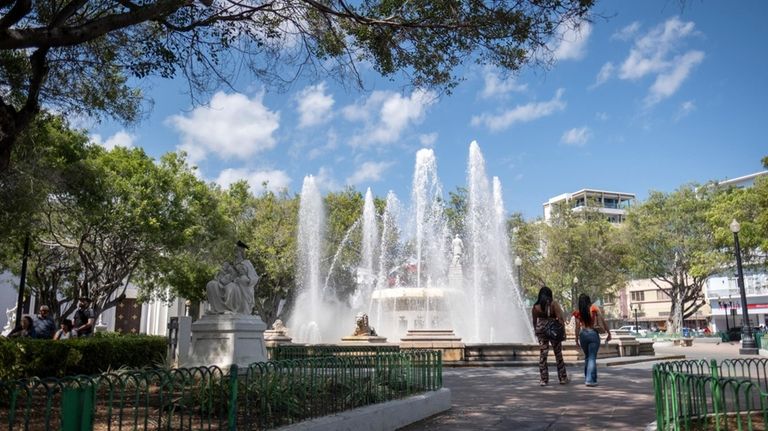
x: 21, y: 358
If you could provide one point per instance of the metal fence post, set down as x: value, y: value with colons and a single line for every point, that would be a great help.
x: 232, y: 413
x: 77, y: 404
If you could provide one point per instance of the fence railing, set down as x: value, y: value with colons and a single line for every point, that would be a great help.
x: 263, y: 396
x: 293, y: 351
x: 697, y: 395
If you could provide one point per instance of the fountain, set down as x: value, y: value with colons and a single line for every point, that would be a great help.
x: 416, y: 274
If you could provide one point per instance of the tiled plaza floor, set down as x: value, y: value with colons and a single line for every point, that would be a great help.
x: 511, y: 398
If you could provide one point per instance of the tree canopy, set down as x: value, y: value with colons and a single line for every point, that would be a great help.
x: 79, y: 56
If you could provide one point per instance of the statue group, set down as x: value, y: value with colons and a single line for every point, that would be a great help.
x: 232, y: 289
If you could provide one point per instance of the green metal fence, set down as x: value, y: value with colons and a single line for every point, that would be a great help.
x: 263, y: 396
x: 711, y: 395
x: 293, y: 351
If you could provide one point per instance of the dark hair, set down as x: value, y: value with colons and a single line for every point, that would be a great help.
x: 28, y: 319
x: 584, y: 306
x: 544, y: 299
x: 67, y: 324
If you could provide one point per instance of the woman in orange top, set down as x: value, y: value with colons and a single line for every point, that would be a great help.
x: 588, y: 318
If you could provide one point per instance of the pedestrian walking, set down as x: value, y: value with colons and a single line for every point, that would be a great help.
x: 589, y: 324
x: 550, y: 329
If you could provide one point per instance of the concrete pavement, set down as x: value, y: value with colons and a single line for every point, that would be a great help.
x: 503, y: 398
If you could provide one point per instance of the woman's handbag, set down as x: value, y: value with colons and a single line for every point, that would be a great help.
x: 554, y: 330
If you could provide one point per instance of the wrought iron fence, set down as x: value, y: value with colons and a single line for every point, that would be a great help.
x: 699, y: 395
x: 294, y: 351
x: 263, y: 396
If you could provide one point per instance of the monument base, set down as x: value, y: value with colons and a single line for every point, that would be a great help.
x: 226, y: 339
x: 363, y: 339
x: 437, y: 339
x: 276, y: 337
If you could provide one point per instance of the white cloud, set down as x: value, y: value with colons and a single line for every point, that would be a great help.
x: 232, y: 126
x: 326, y: 181
x: 314, y: 105
x: 276, y: 180
x: 368, y: 171
x: 577, y: 137
x: 666, y: 84
x: 685, y: 108
x: 428, y: 139
x: 650, y: 52
x: 119, y: 139
x: 495, y: 86
x: 627, y: 32
x: 387, y: 114
x: 521, y: 113
x: 604, y: 75
x: 659, y: 52
x: 572, y: 38
x: 602, y: 116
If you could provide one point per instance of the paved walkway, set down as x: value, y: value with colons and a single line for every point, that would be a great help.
x: 511, y: 398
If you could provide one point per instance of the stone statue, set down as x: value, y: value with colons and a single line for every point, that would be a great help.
x: 362, y: 327
x: 231, y: 290
x: 279, y: 326
x: 458, y: 249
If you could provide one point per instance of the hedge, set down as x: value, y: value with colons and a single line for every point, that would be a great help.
x: 20, y: 358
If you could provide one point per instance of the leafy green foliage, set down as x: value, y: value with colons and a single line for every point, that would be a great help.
x: 581, y: 245
x: 671, y: 243
x: 21, y: 357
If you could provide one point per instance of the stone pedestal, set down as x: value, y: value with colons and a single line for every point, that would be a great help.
x: 363, y: 339
x: 226, y: 339
x: 435, y: 339
x: 628, y: 344
x: 276, y: 337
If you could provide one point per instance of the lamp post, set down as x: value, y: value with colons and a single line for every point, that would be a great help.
x: 635, y: 309
x: 724, y: 306
x: 518, y: 266
x: 748, y: 346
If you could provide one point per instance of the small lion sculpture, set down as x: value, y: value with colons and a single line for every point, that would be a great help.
x: 362, y: 327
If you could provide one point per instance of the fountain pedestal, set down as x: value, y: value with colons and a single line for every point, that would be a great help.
x: 436, y: 339
x: 363, y: 339
x: 226, y: 339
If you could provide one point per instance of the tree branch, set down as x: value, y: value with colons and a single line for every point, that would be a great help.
x: 17, y: 12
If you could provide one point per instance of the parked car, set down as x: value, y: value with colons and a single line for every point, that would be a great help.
x: 634, y: 330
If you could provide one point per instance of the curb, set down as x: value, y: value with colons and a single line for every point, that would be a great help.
x: 387, y: 416
x: 608, y: 362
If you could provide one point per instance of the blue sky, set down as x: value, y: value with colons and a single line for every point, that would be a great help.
x: 648, y: 96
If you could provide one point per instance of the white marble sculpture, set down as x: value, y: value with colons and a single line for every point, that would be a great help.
x: 229, y: 333
x: 231, y: 290
x: 458, y: 249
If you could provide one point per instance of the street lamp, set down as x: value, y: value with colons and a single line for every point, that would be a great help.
x: 724, y: 306
x: 748, y: 346
x: 635, y: 309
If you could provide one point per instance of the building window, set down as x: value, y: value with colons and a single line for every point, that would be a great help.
x: 610, y: 298
x: 661, y: 296
x: 637, y: 296
x: 663, y: 313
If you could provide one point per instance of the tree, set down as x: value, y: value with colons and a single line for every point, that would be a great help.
x: 343, y: 243
x: 272, y: 235
x: 79, y: 56
x: 112, y: 216
x: 571, y: 244
x: 671, y: 243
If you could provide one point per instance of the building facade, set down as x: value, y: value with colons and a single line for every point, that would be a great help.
x: 613, y: 204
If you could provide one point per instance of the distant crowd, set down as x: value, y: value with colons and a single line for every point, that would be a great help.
x: 42, y: 325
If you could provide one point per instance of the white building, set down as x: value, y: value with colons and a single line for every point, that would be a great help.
x: 613, y: 204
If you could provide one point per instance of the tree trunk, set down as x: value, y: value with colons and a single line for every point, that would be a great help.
x: 7, y: 136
